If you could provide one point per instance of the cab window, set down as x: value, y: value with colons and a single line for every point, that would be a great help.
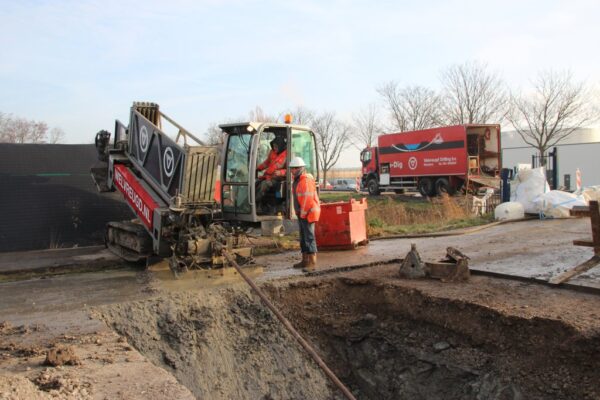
x: 264, y: 146
x: 238, y: 156
x: 235, y: 188
x: 303, y: 145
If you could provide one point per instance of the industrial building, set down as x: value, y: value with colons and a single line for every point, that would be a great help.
x: 578, y: 150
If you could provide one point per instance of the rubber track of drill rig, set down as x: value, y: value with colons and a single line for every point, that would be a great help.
x: 129, y: 240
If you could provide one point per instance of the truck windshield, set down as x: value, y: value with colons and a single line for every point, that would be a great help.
x: 365, y: 156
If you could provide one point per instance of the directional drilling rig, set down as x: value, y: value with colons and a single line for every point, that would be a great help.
x: 172, y: 183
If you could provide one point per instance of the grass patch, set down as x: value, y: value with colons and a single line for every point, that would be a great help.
x: 428, y: 228
x: 402, y: 214
x: 330, y: 197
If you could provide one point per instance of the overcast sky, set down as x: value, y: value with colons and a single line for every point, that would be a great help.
x: 79, y: 65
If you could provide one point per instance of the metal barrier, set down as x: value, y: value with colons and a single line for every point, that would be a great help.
x: 494, y: 201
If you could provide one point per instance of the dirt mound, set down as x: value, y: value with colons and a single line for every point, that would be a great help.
x: 6, y: 328
x: 221, y: 344
x: 62, y: 355
x: 63, y: 386
x: 19, y: 388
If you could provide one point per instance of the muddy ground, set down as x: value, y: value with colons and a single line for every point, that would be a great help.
x: 389, y: 338
x: 139, y: 334
x: 220, y: 344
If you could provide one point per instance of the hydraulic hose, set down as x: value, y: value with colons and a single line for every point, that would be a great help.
x: 309, y: 349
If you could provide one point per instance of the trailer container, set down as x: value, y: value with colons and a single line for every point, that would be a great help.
x: 434, y: 161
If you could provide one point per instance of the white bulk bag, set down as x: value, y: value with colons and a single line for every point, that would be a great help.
x: 557, y: 203
x: 509, y: 210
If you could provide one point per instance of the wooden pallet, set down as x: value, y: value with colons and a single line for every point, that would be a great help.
x: 593, y: 212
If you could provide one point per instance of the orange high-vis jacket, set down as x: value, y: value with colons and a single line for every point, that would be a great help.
x: 274, y: 165
x: 308, y: 198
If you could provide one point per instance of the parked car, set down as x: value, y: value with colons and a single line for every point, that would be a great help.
x: 346, y: 185
x: 325, y: 185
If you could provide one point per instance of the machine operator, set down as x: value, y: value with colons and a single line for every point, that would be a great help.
x: 274, y: 167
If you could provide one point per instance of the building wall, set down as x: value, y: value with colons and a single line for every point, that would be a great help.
x: 580, y: 150
x: 338, y: 173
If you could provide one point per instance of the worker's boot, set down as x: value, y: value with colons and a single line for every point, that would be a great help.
x: 302, y: 262
x: 311, y: 263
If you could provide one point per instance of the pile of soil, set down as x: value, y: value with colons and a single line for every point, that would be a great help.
x: 18, y: 388
x: 389, y: 338
x: 62, y: 355
x: 221, y: 344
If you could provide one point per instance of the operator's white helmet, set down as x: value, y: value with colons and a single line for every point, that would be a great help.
x: 297, y: 162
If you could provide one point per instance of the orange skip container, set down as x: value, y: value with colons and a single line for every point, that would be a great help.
x: 342, y: 225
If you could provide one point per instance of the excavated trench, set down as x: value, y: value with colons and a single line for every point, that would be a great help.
x: 383, y: 340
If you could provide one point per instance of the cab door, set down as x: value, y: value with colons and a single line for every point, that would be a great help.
x: 301, y: 143
x: 259, y: 153
x: 236, y: 194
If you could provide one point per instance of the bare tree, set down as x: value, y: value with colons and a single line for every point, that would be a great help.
x: 366, y: 127
x: 214, y: 135
x: 411, y: 107
x: 56, y: 135
x: 332, y: 138
x: 472, y: 95
x: 302, y: 115
x: 555, y: 108
x: 4, y: 121
x: 258, y: 115
x: 21, y: 130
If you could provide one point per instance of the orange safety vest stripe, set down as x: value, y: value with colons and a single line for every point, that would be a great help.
x: 308, y: 198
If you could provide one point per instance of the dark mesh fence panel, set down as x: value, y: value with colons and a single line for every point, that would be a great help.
x: 48, y: 199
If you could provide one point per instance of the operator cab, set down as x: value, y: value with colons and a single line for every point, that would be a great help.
x: 247, y: 145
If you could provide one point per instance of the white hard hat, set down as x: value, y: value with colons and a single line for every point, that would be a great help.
x: 297, y: 162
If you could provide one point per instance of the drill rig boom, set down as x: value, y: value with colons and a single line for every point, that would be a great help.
x: 169, y: 184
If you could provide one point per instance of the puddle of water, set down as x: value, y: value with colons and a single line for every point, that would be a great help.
x: 198, y: 279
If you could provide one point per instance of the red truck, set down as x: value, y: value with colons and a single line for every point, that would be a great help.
x: 433, y: 161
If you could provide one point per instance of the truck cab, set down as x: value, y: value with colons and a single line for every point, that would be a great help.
x: 368, y: 158
x: 247, y: 145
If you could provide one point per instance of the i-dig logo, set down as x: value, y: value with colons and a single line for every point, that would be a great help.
x: 412, y: 163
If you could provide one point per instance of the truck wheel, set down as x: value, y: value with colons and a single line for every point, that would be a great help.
x: 443, y: 186
x: 425, y: 187
x: 373, y: 187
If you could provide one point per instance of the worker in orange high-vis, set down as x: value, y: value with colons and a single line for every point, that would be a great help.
x: 308, y: 210
x: 274, y: 167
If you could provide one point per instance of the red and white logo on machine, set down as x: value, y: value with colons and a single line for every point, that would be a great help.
x: 412, y: 163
